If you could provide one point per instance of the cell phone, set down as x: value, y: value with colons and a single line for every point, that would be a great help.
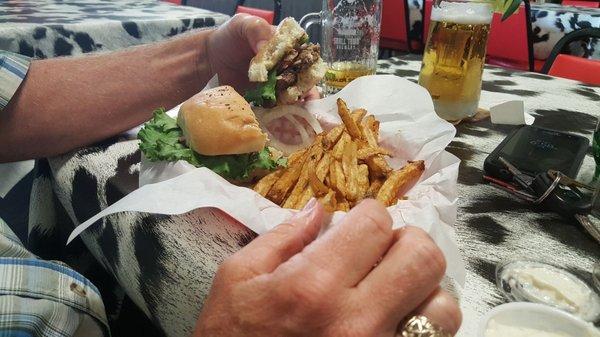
x: 535, y: 150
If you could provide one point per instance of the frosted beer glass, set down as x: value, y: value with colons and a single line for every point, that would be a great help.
x: 454, y: 56
x: 349, y: 39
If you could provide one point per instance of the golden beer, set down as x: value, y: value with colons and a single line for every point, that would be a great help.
x: 454, y: 57
x: 339, y: 74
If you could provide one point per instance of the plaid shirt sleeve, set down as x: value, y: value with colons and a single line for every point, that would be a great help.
x: 45, y: 298
x: 13, y: 68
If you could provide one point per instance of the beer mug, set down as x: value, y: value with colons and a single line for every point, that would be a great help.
x: 349, y: 39
x: 454, y: 56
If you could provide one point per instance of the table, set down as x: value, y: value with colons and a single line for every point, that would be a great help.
x: 549, y: 22
x: 49, y: 28
x: 492, y: 225
x: 165, y: 263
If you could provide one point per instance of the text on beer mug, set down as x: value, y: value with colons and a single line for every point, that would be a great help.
x: 349, y: 39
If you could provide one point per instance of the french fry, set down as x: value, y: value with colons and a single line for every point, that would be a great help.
x: 372, y: 124
x: 315, y: 184
x: 294, y: 157
x: 369, y: 135
x: 295, y: 194
x: 264, y: 185
x: 329, y: 202
x: 350, y: 169
x: 304, y: 198
x: 331, y: 177
x: 323, y: 166
x: 315, y: 153
x: 378, y: 166
x: 337, y: 176
x: 411, y: 173
x: 368, y: 152
x: 347, y: 158
x: 342, y: 204
x: 288, y: 179
x: 389, y: 192
x: 350, y: 124
x: 338, y: 149
x: 332, y: 137
x: 358, y: 115
x: 374, y: 188
x: 363, y: 181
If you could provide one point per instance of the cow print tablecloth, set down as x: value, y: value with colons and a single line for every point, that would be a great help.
x: 549, y: 22
x: 165, y: 263
x: 49, y: 28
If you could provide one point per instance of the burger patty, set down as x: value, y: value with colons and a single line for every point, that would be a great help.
x: 294, y: 62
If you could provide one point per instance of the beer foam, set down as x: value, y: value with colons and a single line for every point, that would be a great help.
x: 463, y: 12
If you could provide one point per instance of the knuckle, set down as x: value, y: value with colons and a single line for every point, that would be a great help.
x: 375, y: 223
x: 283, y: 229
x: 228, y: 265
x: 239, y: 17
x: 304, y: 296
x: 310, y: 291
x: 433, y: 258
x: 452, y: 312
x: 427, y: 254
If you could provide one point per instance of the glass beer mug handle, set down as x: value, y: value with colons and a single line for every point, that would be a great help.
x: 310, y: 19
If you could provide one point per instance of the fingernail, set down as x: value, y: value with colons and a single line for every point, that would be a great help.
x: 306, y: 211
x: 310, y: 204
x: 259, y: 45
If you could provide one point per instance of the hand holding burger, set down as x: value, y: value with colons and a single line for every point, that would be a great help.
x: 231, y: 47
x: 286, y: 68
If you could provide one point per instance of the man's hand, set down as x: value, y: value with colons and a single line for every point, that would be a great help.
x: 231, y: 47
x: 361, y: 278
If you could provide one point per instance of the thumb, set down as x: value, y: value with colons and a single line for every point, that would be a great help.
x: 255, y: 30
x: 268, y: 251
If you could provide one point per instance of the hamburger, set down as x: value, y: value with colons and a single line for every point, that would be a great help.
x: 285, y: 68
x: 215, y: 129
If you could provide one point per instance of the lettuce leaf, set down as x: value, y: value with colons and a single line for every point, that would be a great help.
x: 264, y: 93
x: 161, y: 140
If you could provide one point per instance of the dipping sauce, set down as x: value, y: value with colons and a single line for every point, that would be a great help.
x: 543, y: 283
x: 497, y: 329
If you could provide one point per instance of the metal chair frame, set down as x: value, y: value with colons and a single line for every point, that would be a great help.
x: 573, y: 36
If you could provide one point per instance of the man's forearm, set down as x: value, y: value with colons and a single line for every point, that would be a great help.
x: 69, y: 102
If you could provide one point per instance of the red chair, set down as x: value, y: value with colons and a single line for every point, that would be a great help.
x: 576, y: 68
x: 573, y: 67
x: 177, y: 2
x: 510, y: 42
x: 272, y: 17
x: 581, y: 3
x: 394, y: 26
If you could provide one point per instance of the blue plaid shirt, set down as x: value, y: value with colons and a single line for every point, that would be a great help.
x: 37, y: 297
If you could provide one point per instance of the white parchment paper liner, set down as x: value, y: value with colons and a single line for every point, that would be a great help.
x: 409, y: 127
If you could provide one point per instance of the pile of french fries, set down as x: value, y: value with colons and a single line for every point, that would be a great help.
x: 340, y: 168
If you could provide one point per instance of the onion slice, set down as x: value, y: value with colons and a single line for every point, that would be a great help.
x: 290, y: 113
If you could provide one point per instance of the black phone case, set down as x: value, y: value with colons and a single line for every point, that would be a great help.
x: 494, y: 168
